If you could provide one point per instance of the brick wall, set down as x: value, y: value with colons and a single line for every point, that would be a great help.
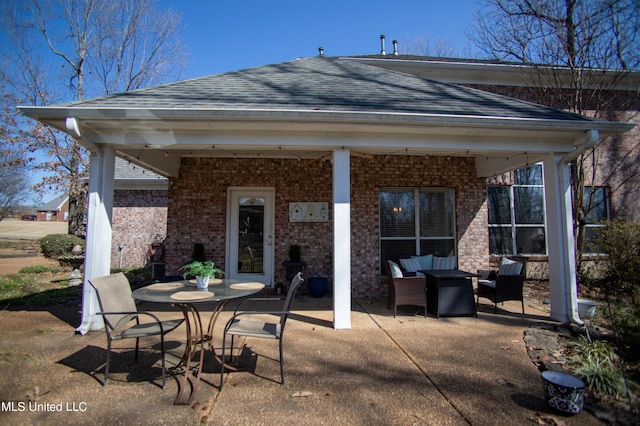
x: 618, y: 167
x: 369, y: 175
x: 197, y: 209
x: 138, y: 215
x: 617, y: 158
x: 198, y: 203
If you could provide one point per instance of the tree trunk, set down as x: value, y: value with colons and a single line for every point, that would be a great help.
x: 77, y: 196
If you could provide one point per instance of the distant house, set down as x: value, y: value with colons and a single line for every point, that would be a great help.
x: 56, y: 210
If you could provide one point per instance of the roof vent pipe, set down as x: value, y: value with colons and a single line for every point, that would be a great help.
x: 382, y: 52
x: 321, y: 51
x: 395, y: 47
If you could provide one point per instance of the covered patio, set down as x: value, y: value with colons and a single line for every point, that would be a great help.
x: 459, y: 371
x: 345, y: 118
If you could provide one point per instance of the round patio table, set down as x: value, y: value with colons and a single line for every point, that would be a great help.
x: 186, y: 296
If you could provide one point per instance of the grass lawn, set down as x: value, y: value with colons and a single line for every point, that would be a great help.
x: 38, y: 285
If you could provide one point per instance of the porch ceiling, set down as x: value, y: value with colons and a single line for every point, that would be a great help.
x: 157, y: 139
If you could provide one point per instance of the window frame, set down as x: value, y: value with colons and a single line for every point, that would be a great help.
x: 513, y: 227
x: 417, y: 237
x: 592, y: 225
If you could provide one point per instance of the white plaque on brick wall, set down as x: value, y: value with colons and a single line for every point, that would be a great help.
x: 308, y: 212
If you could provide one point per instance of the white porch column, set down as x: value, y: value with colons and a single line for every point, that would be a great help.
x: 341, y: 240
x: 97, y: 260
x: 560, y: 239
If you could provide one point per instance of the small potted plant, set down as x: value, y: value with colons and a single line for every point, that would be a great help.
x: 202, y: 271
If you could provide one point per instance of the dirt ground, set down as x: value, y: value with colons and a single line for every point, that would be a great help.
x: 30, y: 230
x: 13, y: 265
x: 18, y: 243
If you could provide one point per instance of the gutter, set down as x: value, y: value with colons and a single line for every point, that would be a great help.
x: 73, y: 129
x: 591, y: 138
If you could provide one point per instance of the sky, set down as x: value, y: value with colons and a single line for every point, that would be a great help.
x: 229, y: 35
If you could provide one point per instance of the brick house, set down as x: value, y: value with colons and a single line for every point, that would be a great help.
x: 55, y: 210
x: 361, y: 141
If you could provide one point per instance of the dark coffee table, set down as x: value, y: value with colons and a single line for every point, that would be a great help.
x: 450, y: 292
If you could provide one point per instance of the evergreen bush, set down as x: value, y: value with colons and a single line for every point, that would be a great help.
x: 620, y: 239
x: 54, y: 246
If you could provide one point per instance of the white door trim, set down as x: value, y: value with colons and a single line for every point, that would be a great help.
x: 231, y: 264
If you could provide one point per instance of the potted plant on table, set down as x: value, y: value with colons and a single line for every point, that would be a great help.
x: 203, y: 271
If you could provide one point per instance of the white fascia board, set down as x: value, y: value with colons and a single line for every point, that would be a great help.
x: 140, y: 126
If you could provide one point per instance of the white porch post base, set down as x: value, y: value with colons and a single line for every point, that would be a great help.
x: 341, y: 240
x: 97, y: 260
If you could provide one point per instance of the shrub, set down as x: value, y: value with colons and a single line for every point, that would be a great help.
x: 56, y: 245
x: 294, y: 253
x: 595, y: 362
x: 620, y: 239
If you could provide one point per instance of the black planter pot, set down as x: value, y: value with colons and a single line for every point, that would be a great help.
x: 292, y: 268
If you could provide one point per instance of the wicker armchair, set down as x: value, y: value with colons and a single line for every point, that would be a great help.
x: 406, y: 291
x: 505, y: 284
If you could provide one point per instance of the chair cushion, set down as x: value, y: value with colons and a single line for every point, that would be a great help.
x: 396, y: 272
x: 411, y: 264
x: 488, y: 283
x: 147, y: 329
x: 509, y: 267
x: 426, y: 261
x: 444, y: 262
x: 265, y: 330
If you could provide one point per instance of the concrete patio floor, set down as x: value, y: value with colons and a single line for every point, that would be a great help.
x: 388, y: 371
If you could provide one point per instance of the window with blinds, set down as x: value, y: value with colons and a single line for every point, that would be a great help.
x: 517, y: 214
x: 416, y: 221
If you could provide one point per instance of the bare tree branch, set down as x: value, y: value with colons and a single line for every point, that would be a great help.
x: 67, y: 50
x: 581, y: 50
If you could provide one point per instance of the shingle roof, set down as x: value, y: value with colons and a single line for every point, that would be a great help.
x: 326, y: 84
x: 53, y: 205
x: 124, y: 170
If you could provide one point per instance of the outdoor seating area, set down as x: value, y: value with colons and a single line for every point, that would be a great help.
x: 449, y: 291
x: 431, y: 282
x: 349, y: 373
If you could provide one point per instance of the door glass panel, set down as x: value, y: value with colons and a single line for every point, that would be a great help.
x: 250, y: 235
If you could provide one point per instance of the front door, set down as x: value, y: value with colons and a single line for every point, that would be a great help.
x: 250, y: 234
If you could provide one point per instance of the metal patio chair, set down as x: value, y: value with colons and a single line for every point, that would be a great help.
x: 118, y: 309
x: 240, y: 324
